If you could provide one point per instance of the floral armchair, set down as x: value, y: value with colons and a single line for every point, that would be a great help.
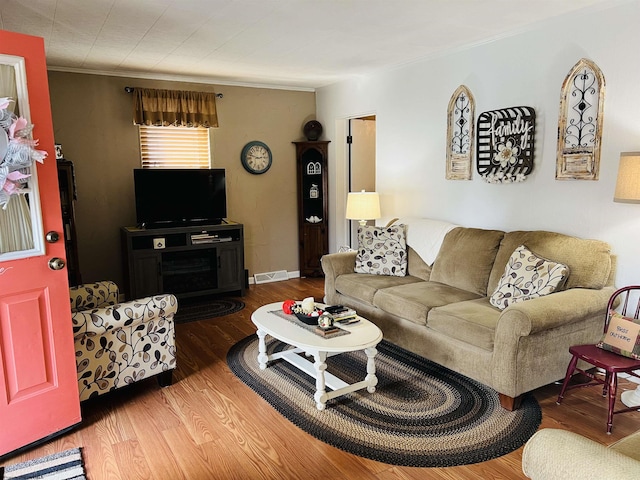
x: 119, y: 344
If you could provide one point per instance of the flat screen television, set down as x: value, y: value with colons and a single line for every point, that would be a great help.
x: 179, y: 197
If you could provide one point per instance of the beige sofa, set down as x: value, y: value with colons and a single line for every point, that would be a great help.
x: 552, y: 454
x: 442, y: 310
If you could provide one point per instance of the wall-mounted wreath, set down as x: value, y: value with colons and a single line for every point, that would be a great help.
x: 17, y: 152
x: 505, y: 145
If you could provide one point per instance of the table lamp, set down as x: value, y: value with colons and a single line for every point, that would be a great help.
x: 363, y: 206
x: 628, y: 191
x: 628, y: 184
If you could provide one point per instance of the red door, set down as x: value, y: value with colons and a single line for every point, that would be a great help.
x: 38, y: 384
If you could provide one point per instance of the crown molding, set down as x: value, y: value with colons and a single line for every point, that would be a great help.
x: 178, y: 78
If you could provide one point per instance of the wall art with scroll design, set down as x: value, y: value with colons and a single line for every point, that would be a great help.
x: 580, y: 123
x: 506, y: 142
x: 460, y: 119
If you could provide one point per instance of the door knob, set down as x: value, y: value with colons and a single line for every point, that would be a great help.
x: 52, y: 237
x: 56, y: 263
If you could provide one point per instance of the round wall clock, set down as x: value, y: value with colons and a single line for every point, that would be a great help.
x: 256, y: 157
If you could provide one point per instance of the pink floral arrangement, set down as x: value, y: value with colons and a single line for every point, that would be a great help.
x: 17, y: 152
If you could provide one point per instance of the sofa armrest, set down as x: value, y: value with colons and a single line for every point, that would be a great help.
x: 553, y: 454
x: 550, y: 311
x: 93, y: 295
x: 98, y: 321
x: 334, y: 265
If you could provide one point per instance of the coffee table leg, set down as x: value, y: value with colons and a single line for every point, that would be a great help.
x: 263, y: 358
x: 320, y: 366
x: 371, y: 378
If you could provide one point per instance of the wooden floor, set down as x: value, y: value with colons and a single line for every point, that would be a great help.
x: 209, y: 425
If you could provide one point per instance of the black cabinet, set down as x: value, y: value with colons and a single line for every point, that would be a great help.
x: 67, y: 186
x: 185, y: 261
x: 313, y: 221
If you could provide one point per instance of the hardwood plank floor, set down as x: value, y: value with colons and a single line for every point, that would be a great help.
x: 209, y: 425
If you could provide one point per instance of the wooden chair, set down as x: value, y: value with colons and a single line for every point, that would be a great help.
x: 611, y: 363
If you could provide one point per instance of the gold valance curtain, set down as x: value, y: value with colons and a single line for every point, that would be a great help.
x: 174, y: 107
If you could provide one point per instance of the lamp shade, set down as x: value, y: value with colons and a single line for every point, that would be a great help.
x: 363, y: 206
x: 628, y: 184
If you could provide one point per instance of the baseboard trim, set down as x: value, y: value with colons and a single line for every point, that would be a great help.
x: 290, y: 275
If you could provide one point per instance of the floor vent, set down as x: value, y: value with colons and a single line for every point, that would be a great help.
x: 271, y: 277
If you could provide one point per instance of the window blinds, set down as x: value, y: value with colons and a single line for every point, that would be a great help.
x: 174, y: 147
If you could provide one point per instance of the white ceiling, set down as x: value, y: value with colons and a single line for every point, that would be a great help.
x: 281, y: 43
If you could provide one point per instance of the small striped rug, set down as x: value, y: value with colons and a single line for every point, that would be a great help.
x: 65, y: 465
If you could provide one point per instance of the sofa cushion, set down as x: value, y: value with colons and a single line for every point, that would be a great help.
x: 416, y: 266
x: 413, y: 302
x: 364, y: 286
x: 589, y: 261
x: 466, y: 259
x: 527, y: 276
x: 382, y: 250
x: 472, y: 322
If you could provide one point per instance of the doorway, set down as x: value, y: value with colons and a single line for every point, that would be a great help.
x: 361, y: 143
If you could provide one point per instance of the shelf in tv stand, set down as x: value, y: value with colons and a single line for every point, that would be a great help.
x: 151, y: 258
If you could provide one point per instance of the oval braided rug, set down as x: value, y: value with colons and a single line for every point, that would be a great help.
x: 420, y: 415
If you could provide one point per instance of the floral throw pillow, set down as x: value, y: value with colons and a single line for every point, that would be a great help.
x: 382, y: 251
x: 528, y: 276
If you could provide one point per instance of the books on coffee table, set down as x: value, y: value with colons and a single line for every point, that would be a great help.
x: 345, y: 315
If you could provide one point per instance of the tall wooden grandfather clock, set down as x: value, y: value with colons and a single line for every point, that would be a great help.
x: 313, y: 218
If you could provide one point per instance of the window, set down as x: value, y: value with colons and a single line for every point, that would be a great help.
x: 174, y: 147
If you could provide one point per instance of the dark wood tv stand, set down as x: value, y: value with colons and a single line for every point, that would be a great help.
x: 185, y: 261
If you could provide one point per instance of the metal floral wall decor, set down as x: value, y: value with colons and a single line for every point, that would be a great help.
x: 506, y: 140
x: 460, y: 118
x: 580, y: 123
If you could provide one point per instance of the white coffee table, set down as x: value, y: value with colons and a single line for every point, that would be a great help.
x: 364, y: 336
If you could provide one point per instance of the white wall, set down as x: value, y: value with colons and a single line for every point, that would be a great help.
x: 410, y: 104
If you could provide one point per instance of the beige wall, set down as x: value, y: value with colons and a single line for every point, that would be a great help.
x: 92, y: 119
x: 363, y: 155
